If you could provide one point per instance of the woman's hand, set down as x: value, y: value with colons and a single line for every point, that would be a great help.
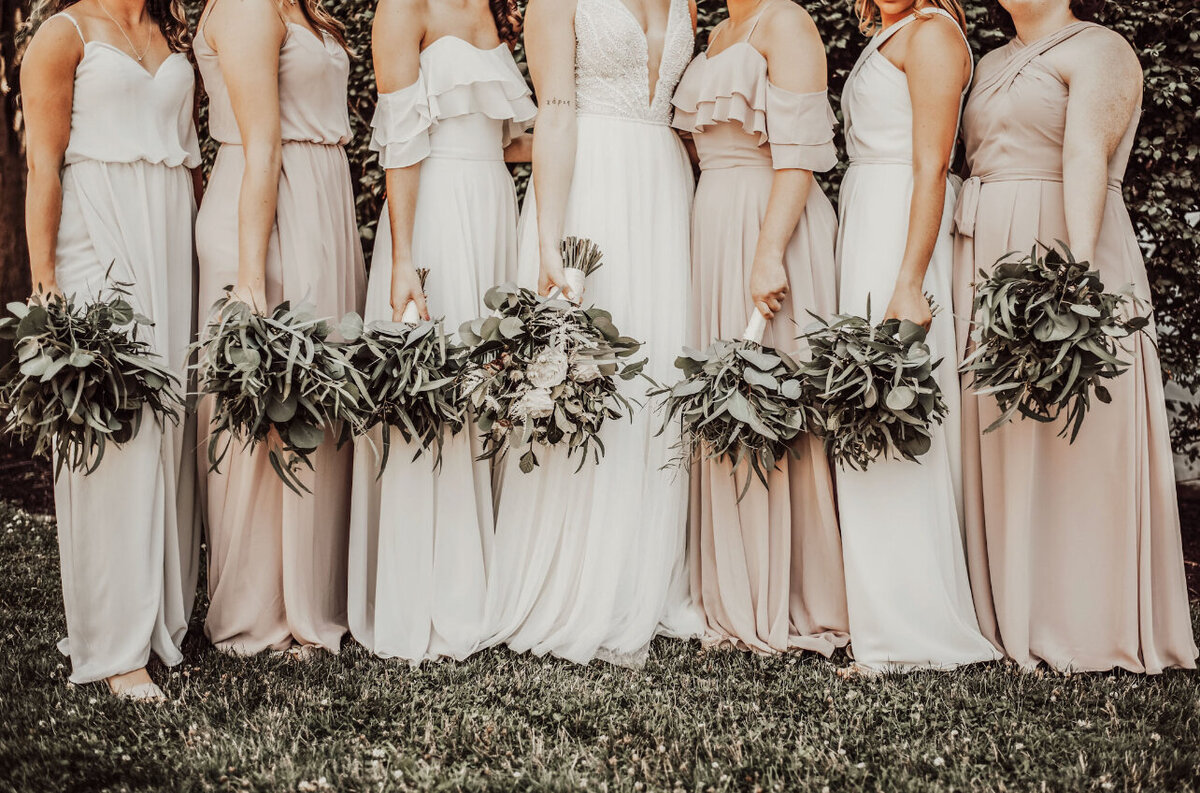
x: 551, y: 275
x: 44, y: 292
x: 909, y: 302
x: 768, y: 284
x: 406, y: 288
x: 253, y: 295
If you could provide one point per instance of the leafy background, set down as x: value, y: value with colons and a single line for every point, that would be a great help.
x: 1161, y: 185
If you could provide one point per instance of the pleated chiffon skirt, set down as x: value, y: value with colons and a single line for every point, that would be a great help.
x: 1074, y: 548
x: 420, y: 538
x: 129, y: 533
x: 277, y: 559
x: 766, y: 570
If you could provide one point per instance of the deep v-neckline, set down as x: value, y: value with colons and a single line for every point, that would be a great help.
x: 153, y: 75
x: 645, y: 33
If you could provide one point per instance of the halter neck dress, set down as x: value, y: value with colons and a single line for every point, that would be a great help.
x: 277, y: 560
x: 421, y: 539
x: 1074, y: 548
x: 592, y: 564
x: 128, y: 533
x: 906, y: 577
x: 766, y: 570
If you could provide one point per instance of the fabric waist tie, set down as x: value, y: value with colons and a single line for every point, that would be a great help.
x: 968, y: 199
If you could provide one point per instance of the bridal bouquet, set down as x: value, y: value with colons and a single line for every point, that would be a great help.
x: 410, y: 371
x: 873, y: 388
x: 544, y: 371
x: 274, y: 376
x: 1046, y: 336
x: 80, y: 378
x: 737, y: 400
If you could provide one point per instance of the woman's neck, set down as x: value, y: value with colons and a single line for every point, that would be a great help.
x: 128, y: 12
x: 1036, y: 23
x: 741, y: 10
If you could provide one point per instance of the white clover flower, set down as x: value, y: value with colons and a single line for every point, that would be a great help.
x: 548, y: 369
x: 537, y: 404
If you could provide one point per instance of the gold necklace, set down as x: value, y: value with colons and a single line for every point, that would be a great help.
x: 128, y: 40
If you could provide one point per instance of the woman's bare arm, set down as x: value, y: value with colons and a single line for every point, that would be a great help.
x: 247, y: 36
x: 48, y: 88
x: 935, y: 50
x: 1104, y: 82
x: 550, y: 50
x: 795, y: 62
x: 396, y: 46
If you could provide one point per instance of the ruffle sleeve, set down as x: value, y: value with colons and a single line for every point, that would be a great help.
x: 479, y: 81
x: 800, y: 129
x: 400, y: 127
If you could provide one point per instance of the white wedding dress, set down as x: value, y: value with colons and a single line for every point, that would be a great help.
x: 592, y: 564
x: 907, y: 591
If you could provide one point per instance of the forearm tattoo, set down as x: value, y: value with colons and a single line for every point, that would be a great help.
x: 554, y: 100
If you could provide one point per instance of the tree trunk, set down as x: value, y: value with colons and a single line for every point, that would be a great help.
x: 14, y: 257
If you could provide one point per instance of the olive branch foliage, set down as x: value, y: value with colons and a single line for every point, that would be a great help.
x: 276, y: 378
x: 1047, y: 335
x: 80, y: 378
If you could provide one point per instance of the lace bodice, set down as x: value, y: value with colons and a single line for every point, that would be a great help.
x: 611, y: 61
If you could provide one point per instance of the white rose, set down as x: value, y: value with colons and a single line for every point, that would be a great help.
x: 537, y: 404
x: 548, y: 369
x: 584, y: 373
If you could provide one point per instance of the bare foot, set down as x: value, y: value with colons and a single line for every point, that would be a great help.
x: 135, y: 685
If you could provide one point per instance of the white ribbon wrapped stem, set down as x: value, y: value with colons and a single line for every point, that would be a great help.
x: 755, y: 327
x: 576, y: 280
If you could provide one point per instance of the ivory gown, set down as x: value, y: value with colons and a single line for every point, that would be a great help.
x: 592, y: 564
x: 420, y: 539
x: 1074, y: 549
x: 767, y: 571
x: 277, y: 560
x: 128, y: 534
x: 906, y: 575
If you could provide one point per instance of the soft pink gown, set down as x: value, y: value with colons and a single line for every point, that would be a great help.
x: 277, y: 560
x: 1074, y: 549
x: 767, y: 570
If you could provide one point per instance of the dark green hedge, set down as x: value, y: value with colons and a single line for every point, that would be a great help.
x: 1161, y: 186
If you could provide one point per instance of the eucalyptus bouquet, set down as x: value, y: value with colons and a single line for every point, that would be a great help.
x: 80, y: 378
x: 1046, y: 336
x: 276, y: 374
x: 410, y: 371
x: 737, y: 400
x: 544, y: 371
x: 873, y: 388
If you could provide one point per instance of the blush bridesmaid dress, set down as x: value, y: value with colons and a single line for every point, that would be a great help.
x: 1074, y: 549
x: 907, y: 589
x: 420, y: 538
x: 277, y: 560
x: 128, y: 533
x: 766, y: 570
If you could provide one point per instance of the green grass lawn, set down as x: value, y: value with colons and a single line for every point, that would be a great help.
x: 690, y: 720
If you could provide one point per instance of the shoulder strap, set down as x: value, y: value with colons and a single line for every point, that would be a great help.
x: 757, y: 19
x: 1027, y: 54
x: 73, y: 22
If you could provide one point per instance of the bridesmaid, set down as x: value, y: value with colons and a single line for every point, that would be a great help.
x: 277, y: 222
x: 108, y: 99
x: 767, y: 570
x: 906, y: 577
x: 451, y: 98
x: 1074, y: 549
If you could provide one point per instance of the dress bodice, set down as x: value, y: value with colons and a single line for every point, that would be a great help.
x: 122, y: 113
x: 313, y: 76
x: 612, y: 61
x: 1016, y: 118
x: 467, y: 103
x: 738, y: 117
x: 876, y: 105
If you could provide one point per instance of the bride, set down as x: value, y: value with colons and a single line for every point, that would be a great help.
x: 590, y: 564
